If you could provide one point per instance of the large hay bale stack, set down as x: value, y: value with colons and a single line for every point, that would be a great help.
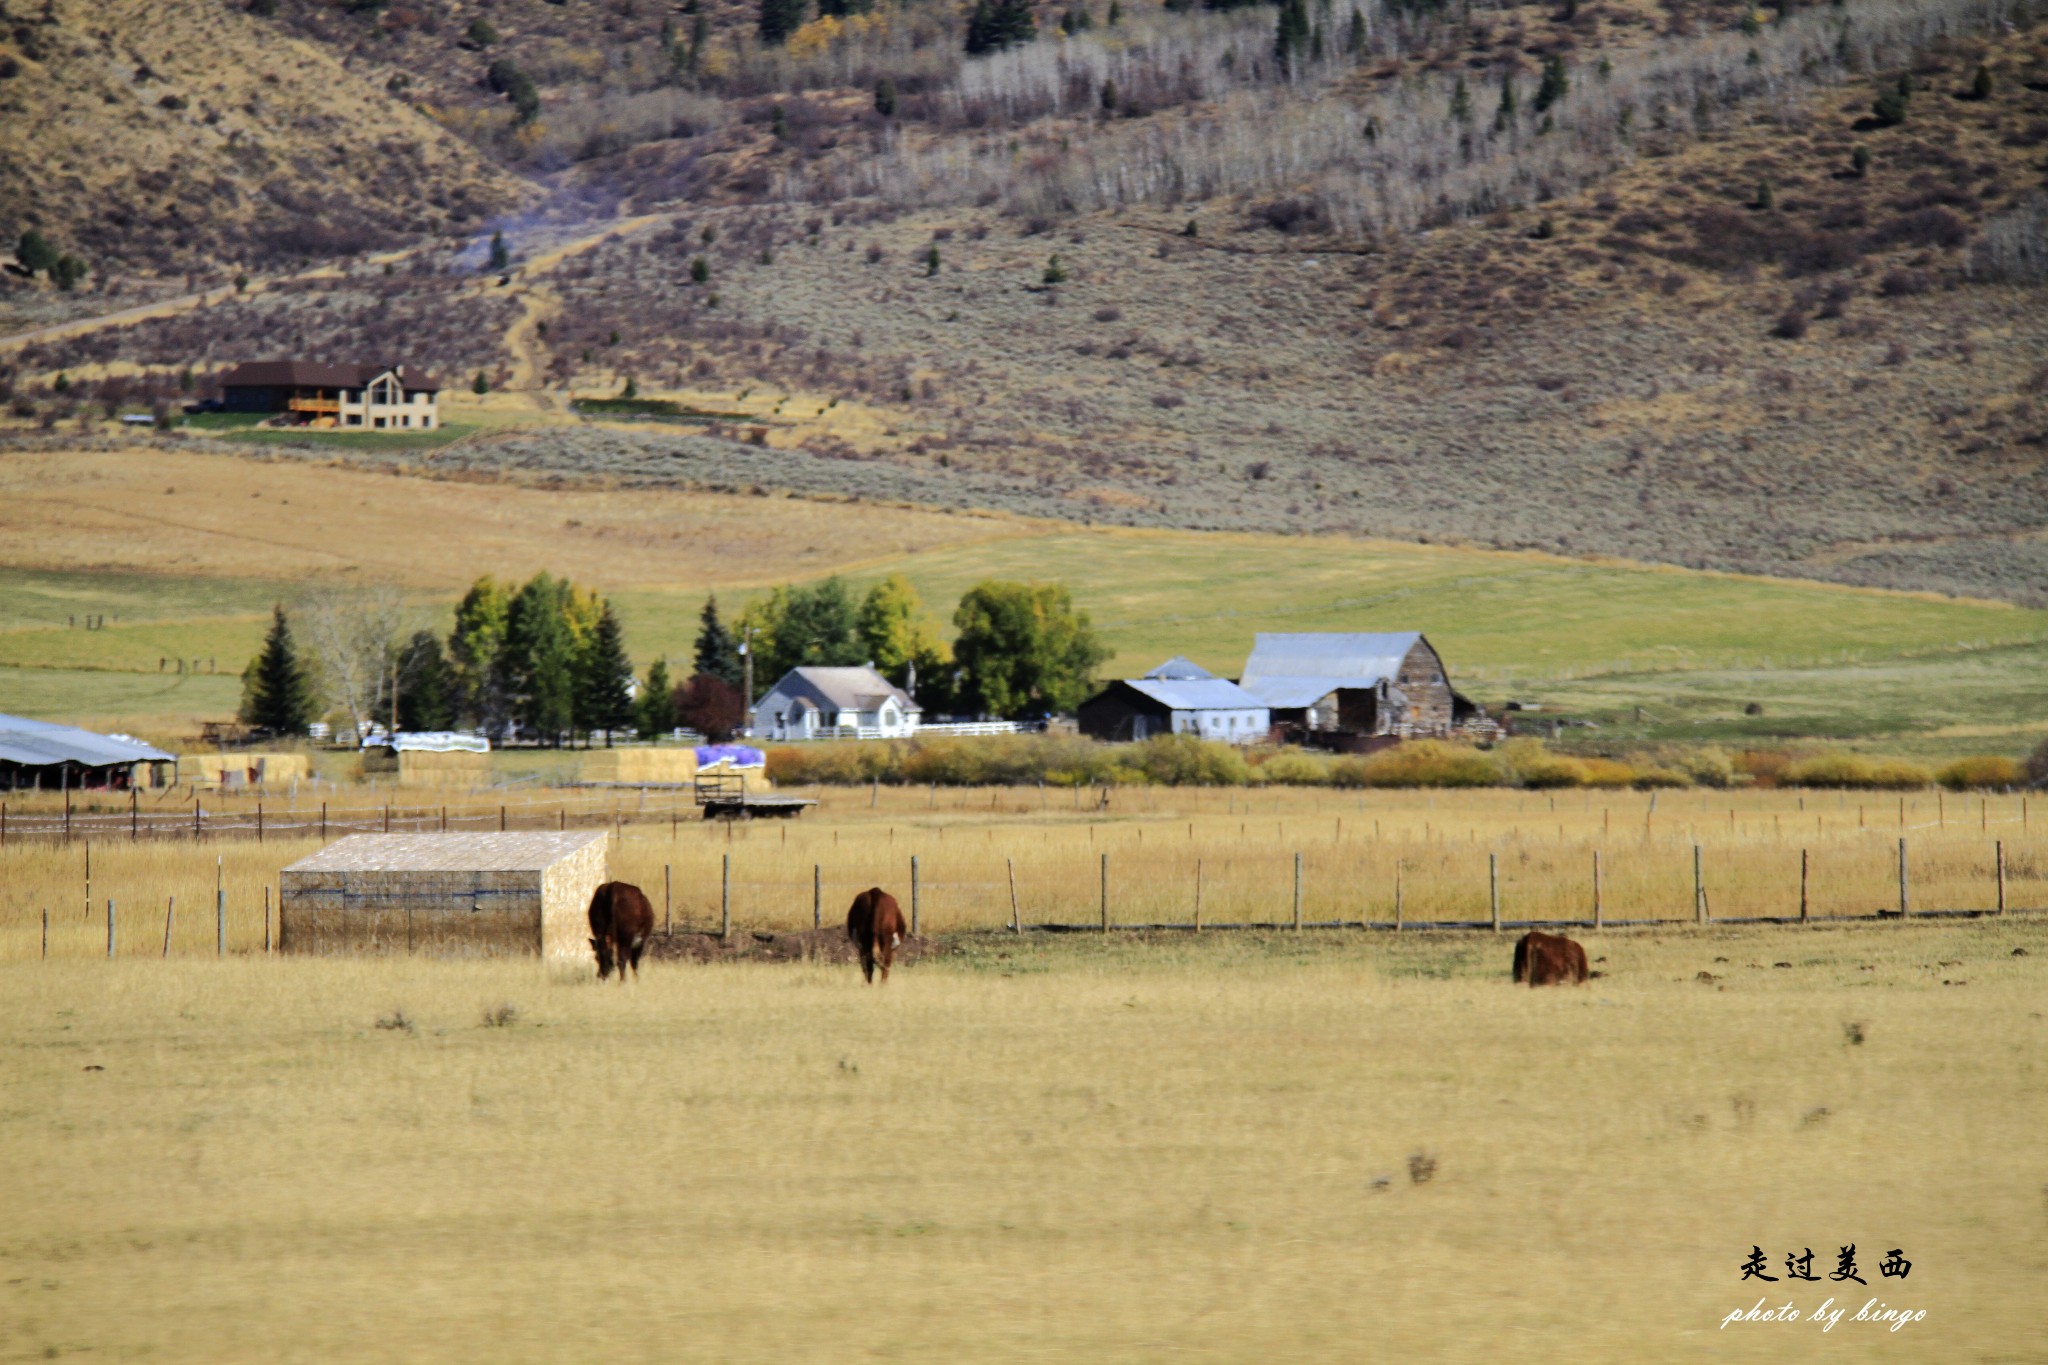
x: 656, y: 767
x: 447, y: 894
x: 428, y: 767
x: 245, y: 768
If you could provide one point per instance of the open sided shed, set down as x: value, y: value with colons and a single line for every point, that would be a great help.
x: 449, y: 894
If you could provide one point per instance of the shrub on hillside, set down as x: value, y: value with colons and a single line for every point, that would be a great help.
x: 1853, y: 771
x: 1709, y: 767
x: 1763, y: 767
x: 1983, y: 772
x: 1608, y: 773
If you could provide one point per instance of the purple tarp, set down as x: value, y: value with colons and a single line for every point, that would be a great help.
x: 739, y: 755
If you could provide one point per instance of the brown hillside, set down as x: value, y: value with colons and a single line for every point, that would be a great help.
x: 175, y: 135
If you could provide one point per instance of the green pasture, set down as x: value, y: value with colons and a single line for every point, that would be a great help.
x: 1919, y: 676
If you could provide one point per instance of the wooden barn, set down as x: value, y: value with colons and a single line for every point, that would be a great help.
x: 451, y: 895
x: 1345, y: 691
x: 1176, y: 698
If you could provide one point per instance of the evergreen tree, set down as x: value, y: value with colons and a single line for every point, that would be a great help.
x: 1556, y: 84
x: 657, y: 701
x: 717, y: 653
x: 1504, y: 116
x: 604, y: 695
x: 34, y: 252
x: 425, y: 686
x: 997, y: 24
x: 1291, y: 34
x: 885, y: 97
x: 277, y: 696
x: 780, y: 18
x: 500, y: 257
x: 1461, y: 102
x: 1355, y: 37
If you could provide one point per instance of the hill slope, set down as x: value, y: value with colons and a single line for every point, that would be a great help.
x: 175, y: 135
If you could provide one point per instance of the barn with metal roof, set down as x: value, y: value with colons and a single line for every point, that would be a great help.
x: 1177, y: 698
x: 1327, y: 686
x: 38, y: 753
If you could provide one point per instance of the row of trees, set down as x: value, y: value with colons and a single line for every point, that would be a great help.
x: 543, y: 656
x: 548, y: 659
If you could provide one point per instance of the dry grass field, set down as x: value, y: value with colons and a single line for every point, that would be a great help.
x: 1244, y: 1146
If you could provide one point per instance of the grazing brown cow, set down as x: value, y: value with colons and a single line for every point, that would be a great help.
x: 620, y: 922
x: 1549, y: 960
x: 875, y: 924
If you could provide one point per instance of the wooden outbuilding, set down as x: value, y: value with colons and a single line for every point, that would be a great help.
x: 1349, y: 690
x: 452, y: 895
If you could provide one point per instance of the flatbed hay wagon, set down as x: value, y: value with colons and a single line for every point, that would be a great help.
x: 722, y: 794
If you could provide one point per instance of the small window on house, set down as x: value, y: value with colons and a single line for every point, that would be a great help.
x: 377, y: 422
x: 355, y: 419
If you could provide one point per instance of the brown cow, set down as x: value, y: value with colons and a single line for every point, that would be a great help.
x: 1548, y: 960
x: 621, y: 921
x: 875, y: 924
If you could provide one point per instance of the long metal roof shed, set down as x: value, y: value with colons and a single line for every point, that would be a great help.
x: 41, y: 743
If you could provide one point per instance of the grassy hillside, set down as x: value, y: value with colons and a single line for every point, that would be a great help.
x: 189, y: 569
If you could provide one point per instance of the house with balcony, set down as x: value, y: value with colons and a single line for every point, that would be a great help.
x: 335, y: 397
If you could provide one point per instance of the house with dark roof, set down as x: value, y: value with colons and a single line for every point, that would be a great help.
x: 340, y: 397
x: 1176, y: 698
x: 1343, y: 689
x: 835, y: 703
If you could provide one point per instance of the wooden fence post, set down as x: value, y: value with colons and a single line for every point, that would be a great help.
x: 501, y: 819
x: 266, y: 921
x: 195, y: 815
x: 220, y: 908
x: 1699, y: 889
x: 1297, y: 892
x: 1105, y: 893
x: 259, y: 822
x: 916, y: 887
x: 725, y: 895
x: 134, y: 815
x: 1802, y: 886
x: 817, y: 895
x: 1598, y: 916
x: 2000, y: 857
x: 46, y: 933
x: 1493, y: 887
x: 1016, y: 921
x: 110, y: 931
x: 169, y: 906
x: 323, y: 820
x: 1905, y: 896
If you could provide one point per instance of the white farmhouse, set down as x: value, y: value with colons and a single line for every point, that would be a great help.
x: 835, y: 703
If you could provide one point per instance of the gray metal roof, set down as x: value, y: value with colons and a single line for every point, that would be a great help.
x: 39, y: 743
x: 1294, y: 694
x: 843, y: 689
x: 1180, y: 669
x: 1196, y: 694
x: 1341, y: 660
x: 447, y: 852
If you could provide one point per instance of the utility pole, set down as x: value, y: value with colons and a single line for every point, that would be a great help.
x: 747, y: 675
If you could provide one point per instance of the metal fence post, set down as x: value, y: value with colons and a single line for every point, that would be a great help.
x: 1297, y: 893
x: 817, y: 896
x: 220, y: 908
x: 2000, y: 857
x: 1905, y: 896
x: 725, y: 895
x: 916, y: 886
x: 1802, y: 885
x: 110, y: 931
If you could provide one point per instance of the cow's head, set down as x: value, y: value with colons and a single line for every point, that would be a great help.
x: 603, y: 948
